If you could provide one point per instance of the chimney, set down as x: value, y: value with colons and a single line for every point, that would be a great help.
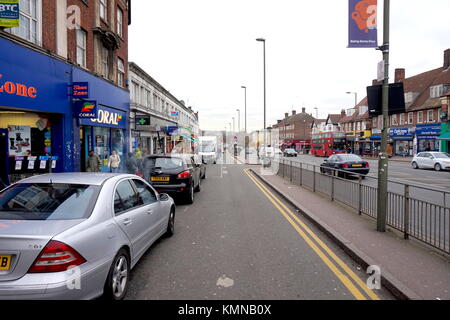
x: 446, y: 59
x: 279, y: 121
x: 286, y: 115
x: 303, y: 110
x: 343, y: 113
x: 294, y: 112
x: 399, y: 75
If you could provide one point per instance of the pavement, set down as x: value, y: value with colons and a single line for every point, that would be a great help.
x: 236, y: 243
x: 409, y: 269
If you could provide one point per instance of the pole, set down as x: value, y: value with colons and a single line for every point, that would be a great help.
x: 264, y: 49
x: 383, y: 158
x: 239, y: 120
x: 234, y: 125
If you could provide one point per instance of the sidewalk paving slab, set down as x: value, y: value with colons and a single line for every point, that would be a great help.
x: 409, y: 268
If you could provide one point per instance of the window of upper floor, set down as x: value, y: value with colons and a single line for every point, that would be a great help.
x: 119, y: 22
x: 420, y: 117
x: 30, y: 27
x: 103, y: 9
x: 436, y: 91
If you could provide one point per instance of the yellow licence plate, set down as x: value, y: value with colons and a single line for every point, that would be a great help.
x: 160, y: 178
x: 357, y: 165
x: 5, y: 262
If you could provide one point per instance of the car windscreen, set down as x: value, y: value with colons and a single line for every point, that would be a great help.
x: 163, y: 163
x: 47, y: 201
x: 442, y: 155
x: 349, y: 157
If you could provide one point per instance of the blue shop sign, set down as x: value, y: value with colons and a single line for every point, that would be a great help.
x: 80, y: 90
x: 86, y: 109
x: 402, y: 132
x: 107, y: 117
x: 428, y: 129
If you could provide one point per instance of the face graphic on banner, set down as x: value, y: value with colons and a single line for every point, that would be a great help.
x: 365, y: 15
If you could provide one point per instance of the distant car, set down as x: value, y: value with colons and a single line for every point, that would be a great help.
x: 431, y: 160
x: 177, y: 175
x: 346, y: 163
x: 77, y: 235
x: 289, y: 152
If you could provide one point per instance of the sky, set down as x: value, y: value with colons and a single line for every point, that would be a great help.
x: 203, y: 51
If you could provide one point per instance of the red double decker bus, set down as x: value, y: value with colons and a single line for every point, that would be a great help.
x: 327, y: 143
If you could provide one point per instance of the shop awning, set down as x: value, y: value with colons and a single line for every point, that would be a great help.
x: 445, y: 136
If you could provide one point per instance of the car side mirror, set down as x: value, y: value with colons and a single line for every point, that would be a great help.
x: 326, y: 160
x: 164, y: 197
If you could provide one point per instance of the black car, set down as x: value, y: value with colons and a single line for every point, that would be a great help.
x: 175, y: 175
x: 348, y: 163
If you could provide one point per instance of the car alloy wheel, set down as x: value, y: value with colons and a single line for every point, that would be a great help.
x: 171, y: 225
x: 437, y: 167
x: 414, y: 165
x: 117, y: 281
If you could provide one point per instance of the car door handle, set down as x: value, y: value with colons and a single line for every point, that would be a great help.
x: 127, y: 221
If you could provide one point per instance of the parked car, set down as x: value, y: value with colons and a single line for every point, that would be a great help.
x: 289, y: 152
x: 431, y: 160
x: 77, y: 230
x: 178, y: 175
x: 346, y: 164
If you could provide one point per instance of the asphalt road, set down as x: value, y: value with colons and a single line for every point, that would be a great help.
x: 238, y: 242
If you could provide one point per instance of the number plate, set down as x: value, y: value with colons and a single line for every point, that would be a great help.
x: 5, y: 263
x: 357, y: 165
x: 160, y: 179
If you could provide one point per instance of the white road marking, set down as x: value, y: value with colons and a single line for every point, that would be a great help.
x: 225, y: 282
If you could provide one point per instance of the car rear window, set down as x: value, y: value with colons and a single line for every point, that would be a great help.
x: 349, y: 157
x: 45, y: 201
x: 442, y: 155
x: 163, y: 163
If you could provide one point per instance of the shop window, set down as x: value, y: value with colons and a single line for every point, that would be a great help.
x: 30, y: 21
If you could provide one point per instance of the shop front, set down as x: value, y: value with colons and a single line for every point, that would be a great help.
x: 34, y: 110
x: 444, y: 138
x: 375, y: 138
x: 104, y: 134
x: 427, y: 137
x: 363, y: 143
x: 402, y: 141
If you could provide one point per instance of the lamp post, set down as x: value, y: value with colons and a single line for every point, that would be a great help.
x: 245, y: 108
x: 239, y: 120
x: 264, y: 64
x: 354, y: 122
x: 234, y: 125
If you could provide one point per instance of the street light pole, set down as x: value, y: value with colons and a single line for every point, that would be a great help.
x: 245, y: 108
x: 239, y: 120
x: 234, y: 125
x: 264, y: 62
x: 383, y: 157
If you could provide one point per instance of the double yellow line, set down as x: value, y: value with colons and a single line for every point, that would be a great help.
x: 333, y: 262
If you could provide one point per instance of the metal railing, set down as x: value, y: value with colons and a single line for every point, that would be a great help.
x: 419, y: 212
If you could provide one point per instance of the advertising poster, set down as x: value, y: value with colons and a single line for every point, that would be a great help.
x: 362, y: 24
x: 19, y: 141
x: 9, y: 13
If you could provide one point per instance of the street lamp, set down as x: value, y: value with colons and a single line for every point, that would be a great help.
x: 264, y: 64
x: 234, y: 125
x: 354, y: 122
x: 239, y: 120
x: 245, y: 108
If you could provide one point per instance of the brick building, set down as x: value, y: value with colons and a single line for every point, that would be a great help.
x: 61, y: 45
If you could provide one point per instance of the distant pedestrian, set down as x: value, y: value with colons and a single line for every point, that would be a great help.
x: 93, y: 162
x: 114, y: 162
x: 132, y: 164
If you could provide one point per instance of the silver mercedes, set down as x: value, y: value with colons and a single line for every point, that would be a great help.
x: 77, y: 235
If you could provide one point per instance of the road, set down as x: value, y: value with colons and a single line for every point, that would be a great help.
x: 239, y: 241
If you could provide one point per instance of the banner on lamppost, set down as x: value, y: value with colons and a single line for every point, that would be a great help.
x: 362, y: 24
x: 9, y: 13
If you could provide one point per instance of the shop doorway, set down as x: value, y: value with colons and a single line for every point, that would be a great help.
x: 3, y: 158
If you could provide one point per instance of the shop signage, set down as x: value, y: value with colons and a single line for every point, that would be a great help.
x: 9, y: 13
x: 19, y: 140
x: 106, y: 117
x: 86, y: 109
x: 362, y: 24
x: 80, y: 90
x: 428, y: 129
x: 143, y: 121
x: 174, y: 113
x: 18, y: 89
x: 401, y: 132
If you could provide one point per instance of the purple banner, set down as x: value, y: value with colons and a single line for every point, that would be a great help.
x: 362, y: 24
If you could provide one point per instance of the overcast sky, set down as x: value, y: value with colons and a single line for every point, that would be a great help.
x: 202, y: 51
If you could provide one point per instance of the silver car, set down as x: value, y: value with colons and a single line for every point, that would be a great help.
x: 431, y: 160
x: 77, y: 235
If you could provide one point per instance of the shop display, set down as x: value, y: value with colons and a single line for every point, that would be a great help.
x: 20, y: 140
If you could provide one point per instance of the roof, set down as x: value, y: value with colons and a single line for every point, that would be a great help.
x: 421, y: 84
x: 351, y: 118
x: 88, y: 178
x: 334, y: 118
